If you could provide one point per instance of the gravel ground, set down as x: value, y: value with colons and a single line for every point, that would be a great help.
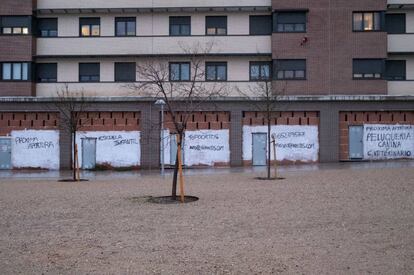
x: 335, y: 221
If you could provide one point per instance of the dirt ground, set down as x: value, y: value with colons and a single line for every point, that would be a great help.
x: 335, y: 221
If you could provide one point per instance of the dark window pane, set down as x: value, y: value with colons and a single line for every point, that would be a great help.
x: 289, y: 21
x: 395, y: 23
x: 290, y: 68
x: 259, y: 70
x: 260, y: 25
x: 211, y: 72
x: 120, y: 29
x: 255, y: 72
x: 175, y: 72
x: 90, y: 26
x: 175, y: 30
x: 221, y: 73
x: 368, y: 21
x: 125, y: 72
x: 125, y: 26
x: 368, y: 68
x: 16, y: 21
x: 395, y: 69
x: 90, y: 21
x: 89, y: 72
x: 185, y: 30
x: 358, y: 23
x: 185, y: 72
x: 180, y: 25
x: 216, y: 25
x: 17, y: 71
x: 47, y: 27
x: 46, y: 72
x: 131, y: 28
x: 7, y: 69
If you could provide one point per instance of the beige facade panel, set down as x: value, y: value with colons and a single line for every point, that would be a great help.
x: 151, y: 45
x: 400, y: 2
x: 401, y: 88
x: 230, y: 89
x: 400, y: 43
x: 104, y: 4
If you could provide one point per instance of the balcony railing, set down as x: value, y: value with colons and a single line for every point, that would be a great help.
x: 405, y: 87
x: 110, y: 89
x: 148, y: 46
x: 104, y: 6
x: 401, y: 43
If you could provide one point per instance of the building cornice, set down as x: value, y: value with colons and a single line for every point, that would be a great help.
x: 323, y: 98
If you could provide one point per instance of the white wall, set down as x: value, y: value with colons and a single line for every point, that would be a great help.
x: 201, y: 147
x: 116, y: 148
x: 383, y: 141
x: 35, y: 149
x: 294, y: 142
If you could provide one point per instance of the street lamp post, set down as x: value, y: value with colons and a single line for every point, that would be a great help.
x: 161, y: 103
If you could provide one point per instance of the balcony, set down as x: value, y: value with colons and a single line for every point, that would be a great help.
x: 400, y: 4
x: 401, y: 43
x: 148, y: 46
x: 120, y: 6
x: 112, y: 89
x: 398, y: 88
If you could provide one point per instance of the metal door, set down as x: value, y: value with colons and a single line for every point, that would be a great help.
x: 259, y: 149
x: 173, y: 149
x: 5, y: 153
x: 88, y: 153
x: 356, y: 144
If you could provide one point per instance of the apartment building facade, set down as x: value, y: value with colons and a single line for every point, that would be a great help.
x: 343, y: 71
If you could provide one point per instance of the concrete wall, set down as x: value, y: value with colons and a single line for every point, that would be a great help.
x: 329, y: 121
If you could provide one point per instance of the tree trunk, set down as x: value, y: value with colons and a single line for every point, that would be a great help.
x: 174, y: 183
x: 268, y: 149
x: 74, y: 156
x: 176, y: 167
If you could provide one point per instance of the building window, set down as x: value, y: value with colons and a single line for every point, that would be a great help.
x: 260, y: 25
x: 16, y: 25
x: 46, y: 72
x: 180, y: 71
x: 290, y: 69
x: 368, y: 21
x: 47, y: 27
x: 89, y: 72
x: 125, y: 72
x: 216, y: 25
x: 259, y: 71
x: 125, y: 26
x: 216, y: 71
x: 395, y: 23
x: 180, y: 25
x: 16, y: 71
x: 289, y: 21
x: 368, y: 68
x: 395, y: 69
x: 90, y: 27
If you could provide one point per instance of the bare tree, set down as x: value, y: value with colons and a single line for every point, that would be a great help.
x: 183, y: 95
x: 264, y: 97
x: 71, y: 105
